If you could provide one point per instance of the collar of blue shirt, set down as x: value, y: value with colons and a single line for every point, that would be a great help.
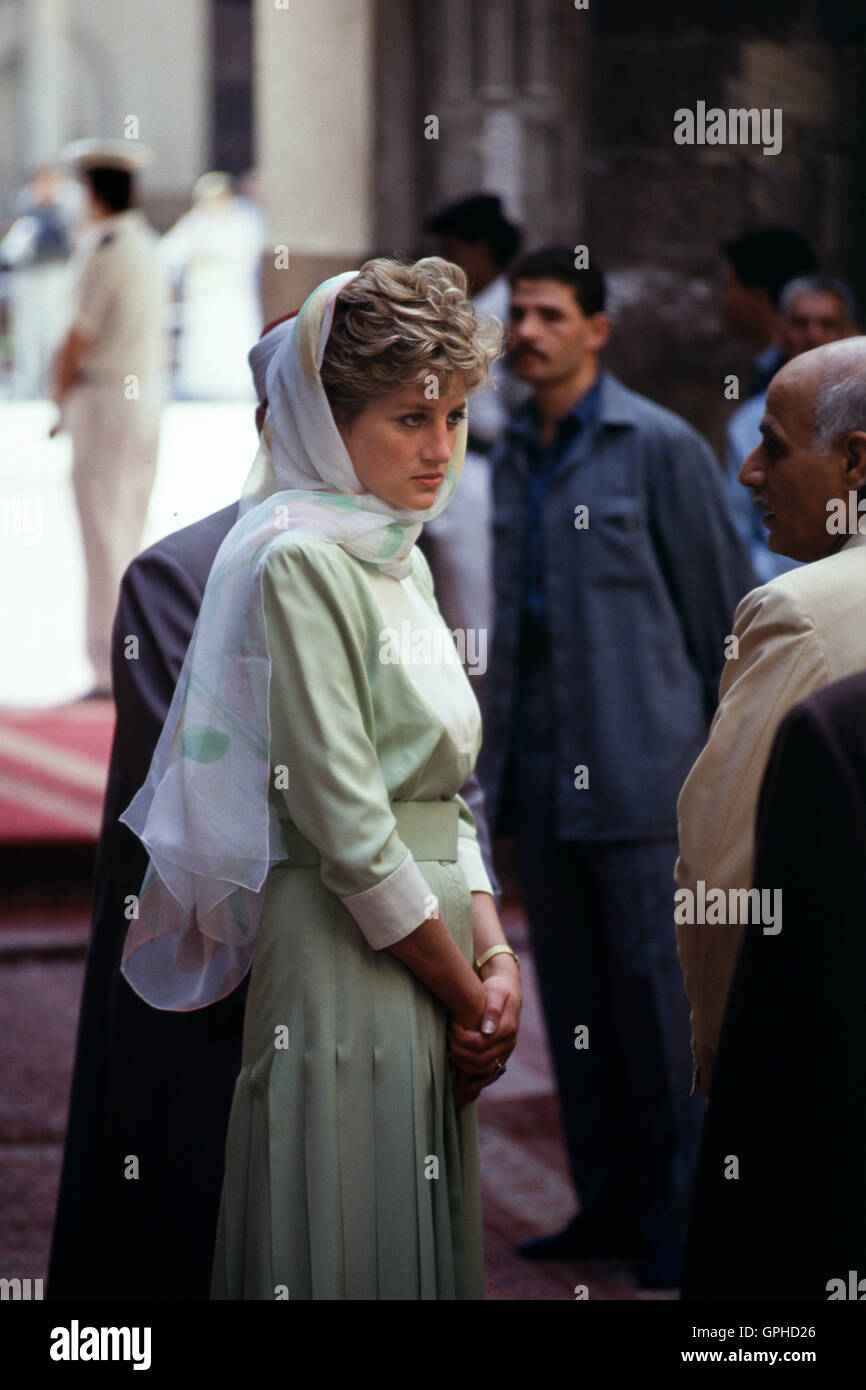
x: 607, y: 401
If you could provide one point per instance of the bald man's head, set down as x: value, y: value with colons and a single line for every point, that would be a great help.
x: 813, y: 449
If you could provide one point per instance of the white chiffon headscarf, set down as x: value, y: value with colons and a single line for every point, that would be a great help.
x: 207, y: 812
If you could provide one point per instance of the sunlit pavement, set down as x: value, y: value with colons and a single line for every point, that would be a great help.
x: 205, y: 454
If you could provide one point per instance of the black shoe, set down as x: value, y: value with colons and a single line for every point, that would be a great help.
x: 590, y: 1235
x: 662, y: 1268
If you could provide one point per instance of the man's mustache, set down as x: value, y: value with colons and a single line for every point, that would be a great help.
x: 526, y: 352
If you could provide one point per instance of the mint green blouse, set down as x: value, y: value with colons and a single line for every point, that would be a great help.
x: 369, y: 706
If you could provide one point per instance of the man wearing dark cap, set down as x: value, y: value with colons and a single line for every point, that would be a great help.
x: 757, y: 266
x: 108, y: 378
x: 475, y: 234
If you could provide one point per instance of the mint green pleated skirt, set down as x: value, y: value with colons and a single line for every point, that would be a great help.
x: 348, y: 1174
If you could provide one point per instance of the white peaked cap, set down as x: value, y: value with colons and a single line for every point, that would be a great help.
x: 130, y: 155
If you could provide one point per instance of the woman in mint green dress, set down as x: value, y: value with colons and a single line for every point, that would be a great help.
x: 303, y: 819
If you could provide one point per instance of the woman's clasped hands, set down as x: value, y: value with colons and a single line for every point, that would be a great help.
x: 480, y: 1053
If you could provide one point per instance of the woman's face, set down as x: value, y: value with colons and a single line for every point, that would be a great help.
x: 401, y: 443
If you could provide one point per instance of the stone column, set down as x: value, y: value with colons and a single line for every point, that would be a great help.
x: 506, y: 82
x: 45, y: 75
x: 314, y: 83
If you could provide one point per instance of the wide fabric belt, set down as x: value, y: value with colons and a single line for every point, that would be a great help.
x: 428, y: 829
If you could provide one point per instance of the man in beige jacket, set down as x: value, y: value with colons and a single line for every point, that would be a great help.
x: 791, y: 636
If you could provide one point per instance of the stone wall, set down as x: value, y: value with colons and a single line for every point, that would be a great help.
x: 657, y: 211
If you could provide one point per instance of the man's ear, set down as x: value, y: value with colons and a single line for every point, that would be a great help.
x: 855, y: 458
x: 600, y: 328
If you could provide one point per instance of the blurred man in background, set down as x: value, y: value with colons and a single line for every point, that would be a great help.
x: 36, y: 249
x: 814, y: 309
x: 756, y: 268
x: 213, y: 255
x: 109, y: 379
x: 617, y: 571
x: 475, y: 234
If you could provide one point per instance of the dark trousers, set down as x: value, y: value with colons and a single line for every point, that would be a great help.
x: 603, y: 938
x: 603, y: 942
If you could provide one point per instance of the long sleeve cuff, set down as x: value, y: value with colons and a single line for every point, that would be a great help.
x: 470, y: 861
x: 393, y: 908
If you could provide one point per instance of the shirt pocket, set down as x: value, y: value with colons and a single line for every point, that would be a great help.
x: 618, y: 542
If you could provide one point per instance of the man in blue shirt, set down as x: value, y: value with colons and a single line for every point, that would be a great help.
x: 814, y: 309
x: 617, y: 570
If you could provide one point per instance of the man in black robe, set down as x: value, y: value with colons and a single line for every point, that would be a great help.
x: 147, y: 1084
x: 778, y: 1209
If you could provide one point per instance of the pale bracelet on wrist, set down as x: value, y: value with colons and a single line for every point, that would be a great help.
x: 500, y: 949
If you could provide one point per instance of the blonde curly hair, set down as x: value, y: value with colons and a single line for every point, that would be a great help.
x: 398, y: 323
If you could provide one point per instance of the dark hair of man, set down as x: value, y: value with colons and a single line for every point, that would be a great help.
x: 769, y: 257
x: 113, y: 187
x: 479, y: 220
x: 557, y: 263
x: 504, y: 242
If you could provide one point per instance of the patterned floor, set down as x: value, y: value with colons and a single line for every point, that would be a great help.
x: 43, y: 929
x: 53, y: 765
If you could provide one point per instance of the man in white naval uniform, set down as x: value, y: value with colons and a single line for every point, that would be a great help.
x: 109, y: 379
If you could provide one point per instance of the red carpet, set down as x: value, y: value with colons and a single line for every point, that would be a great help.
x: 53, y: 766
